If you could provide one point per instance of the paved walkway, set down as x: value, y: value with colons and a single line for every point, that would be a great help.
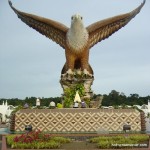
x: 79, y: 145
x: 3, y: 125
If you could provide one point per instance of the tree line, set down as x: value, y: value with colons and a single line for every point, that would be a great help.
x: 31, y: 101
x: 114, y: 98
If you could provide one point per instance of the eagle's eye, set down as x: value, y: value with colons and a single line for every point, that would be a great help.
x: 72, y: 18
x: 81, y: 18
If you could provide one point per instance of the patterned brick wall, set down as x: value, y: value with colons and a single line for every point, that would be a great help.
x: 77, y: 120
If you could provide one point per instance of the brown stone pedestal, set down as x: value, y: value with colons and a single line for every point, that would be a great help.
x: 70, y: 81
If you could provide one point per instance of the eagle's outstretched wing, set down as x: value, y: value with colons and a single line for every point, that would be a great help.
x: 51, y: 29
x: 103, y: 29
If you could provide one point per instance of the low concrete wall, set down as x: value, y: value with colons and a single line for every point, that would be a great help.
x: 77, y: 120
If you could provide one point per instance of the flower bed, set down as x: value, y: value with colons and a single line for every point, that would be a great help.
x: 35, y: 140
x: 119, y: 142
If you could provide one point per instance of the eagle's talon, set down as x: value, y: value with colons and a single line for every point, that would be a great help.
x: 78, y: 72
x: 86, y: 73
x: 69, y: 72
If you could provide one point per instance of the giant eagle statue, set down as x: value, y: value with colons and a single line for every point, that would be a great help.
x: 78, y: 39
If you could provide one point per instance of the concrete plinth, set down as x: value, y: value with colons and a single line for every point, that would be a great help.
x: 77, y: 120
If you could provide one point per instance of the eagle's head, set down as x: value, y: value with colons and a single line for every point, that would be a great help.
x: 77, y: 20
x: 76, y: 17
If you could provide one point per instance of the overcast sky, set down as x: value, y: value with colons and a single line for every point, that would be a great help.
x: 30, y: 63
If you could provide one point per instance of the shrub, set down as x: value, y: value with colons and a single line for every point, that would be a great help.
x: 69, y: 94
x: 31, y: 136
x: 61, y: 140
x: 104, y: 144
x: 36, y: 145
x: 35, y: 140
x: 59, y: 105
x: 108, y: 142
x: 139, y: 138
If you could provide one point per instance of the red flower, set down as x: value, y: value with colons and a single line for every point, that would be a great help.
x: 32, y: 136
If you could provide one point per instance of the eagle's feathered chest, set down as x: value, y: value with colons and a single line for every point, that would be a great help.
x: 77, y: 38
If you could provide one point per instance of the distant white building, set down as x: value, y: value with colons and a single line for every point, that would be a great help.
x: 146, y: 109
x: 149, y: 106
x: 5, y: 111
